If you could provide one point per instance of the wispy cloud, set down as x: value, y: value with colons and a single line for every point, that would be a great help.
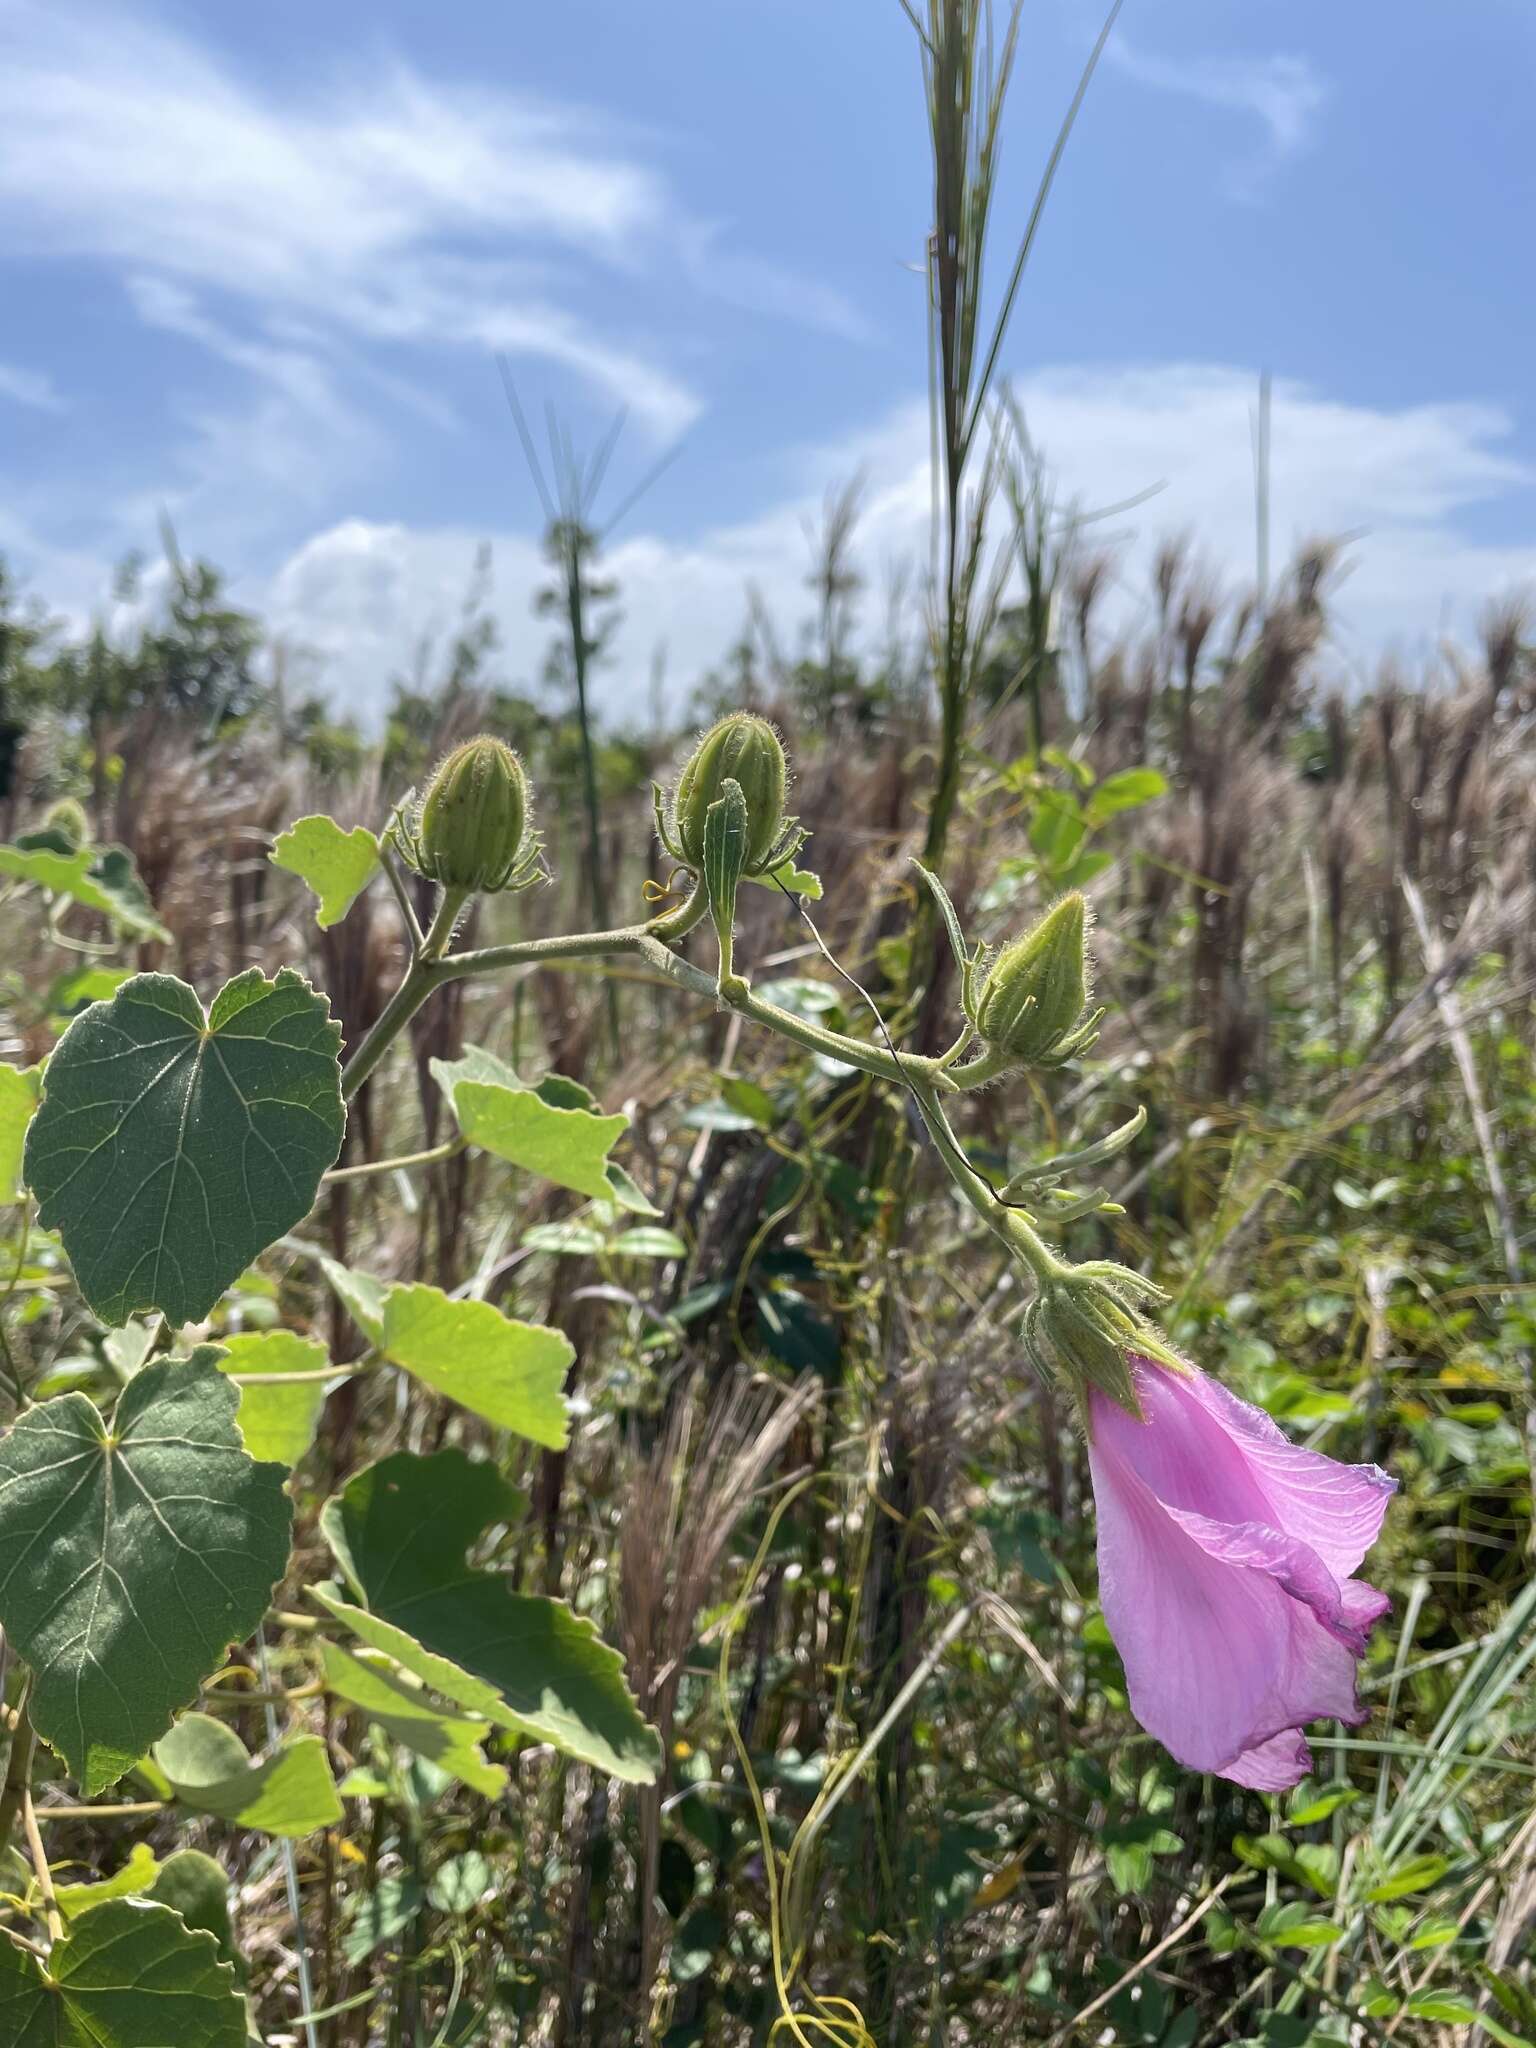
x: 32, y: 388
x: 381, y: 205
x: 1285, y: 94
x: 123, y: 141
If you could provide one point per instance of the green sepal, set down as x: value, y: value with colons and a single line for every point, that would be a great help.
x: 725, y: 859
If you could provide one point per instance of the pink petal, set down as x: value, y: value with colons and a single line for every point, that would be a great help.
x: 1298, y: 1570
x: 1336, y: 1509
x: 1231, y: 1632
x: 1273, y: 1766
x: 1363, y: 1604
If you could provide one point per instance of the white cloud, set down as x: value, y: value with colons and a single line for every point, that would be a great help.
x: 32, y: 388
x: 1284, y: 93
x: 117, y: 137
x: 363, y: 595
x: 377, y: 203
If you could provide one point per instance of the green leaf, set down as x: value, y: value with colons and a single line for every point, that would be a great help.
x: 1374, y: 1999
x: 946, y: 908
x: 540, y: 1129
x: 134, y: 1555
x: 1505, y: 2036
x: 1127, y: 791
x: 292, y: 1793
x: 1082, y: 870
x: 194, y: 1886
x: 71, y: 992
x: 1311, y: 1802
x: 1448, y: 2007
x: 127, y: 1974
x: 1417, y: 1874
x: 623, y: 1190
x: 126, y: 1349
x: 18, y: 1099
x: 650, y: 1244
x: 460, y: 1884
x: 97, y: 877
x: 511, y: 1373
x: 380, y: 1915
x: 697, y: 1942
x: 725, y: 857
x: 359, y: 1294
x: 1130, y: 1847
x: 337, y: 865
x: 171, y: 1148
x: 750, y: 1101
x: 525, y: 1662
x: 135, y: 1877
x: 801, y: 996
x: 798, y: 881
x: 1264, y: 1852
x: 564, y: 1240
x: 1295, y: 1925
x: 277, y: 1422
x: 407, y: 1713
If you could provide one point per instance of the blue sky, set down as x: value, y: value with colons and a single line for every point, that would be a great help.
x: 255, y: 265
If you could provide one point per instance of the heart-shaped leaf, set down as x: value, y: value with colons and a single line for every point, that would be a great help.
x: 523, y: 1661
x: 133, y: 1554
x: 127, y: 1975
x: 172, y: 1147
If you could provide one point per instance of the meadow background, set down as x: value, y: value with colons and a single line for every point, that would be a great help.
x: 1314, y: 893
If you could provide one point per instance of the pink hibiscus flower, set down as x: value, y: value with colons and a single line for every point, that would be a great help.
x: 1225, y: 1554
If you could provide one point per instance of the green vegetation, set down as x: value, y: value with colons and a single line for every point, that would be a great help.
x: 542, y: 1495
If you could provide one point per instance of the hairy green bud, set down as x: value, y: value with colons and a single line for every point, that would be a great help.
x: 471, y: 831
x: 1088, y: 1326
x: 67, y: 818
x: 1031, y: 1004
x: 743, y: 749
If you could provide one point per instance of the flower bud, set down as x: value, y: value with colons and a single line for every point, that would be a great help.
x: 744, y: 749
x: 1085, y: 1335
x: 67, y: 818
x: 472, y: 828
x: 1032, y: 1001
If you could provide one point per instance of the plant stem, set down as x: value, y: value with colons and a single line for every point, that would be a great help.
x: 407, y: 998
x: 577, y: 543
x: 127, y: 1810
x: 40, y: 1868
x: 430, y: 1157
x: 403, y: 902
x: 1009, y: 1224
x: 641, y: 940
x: 18, y: 1772
x: 921, y: 1076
